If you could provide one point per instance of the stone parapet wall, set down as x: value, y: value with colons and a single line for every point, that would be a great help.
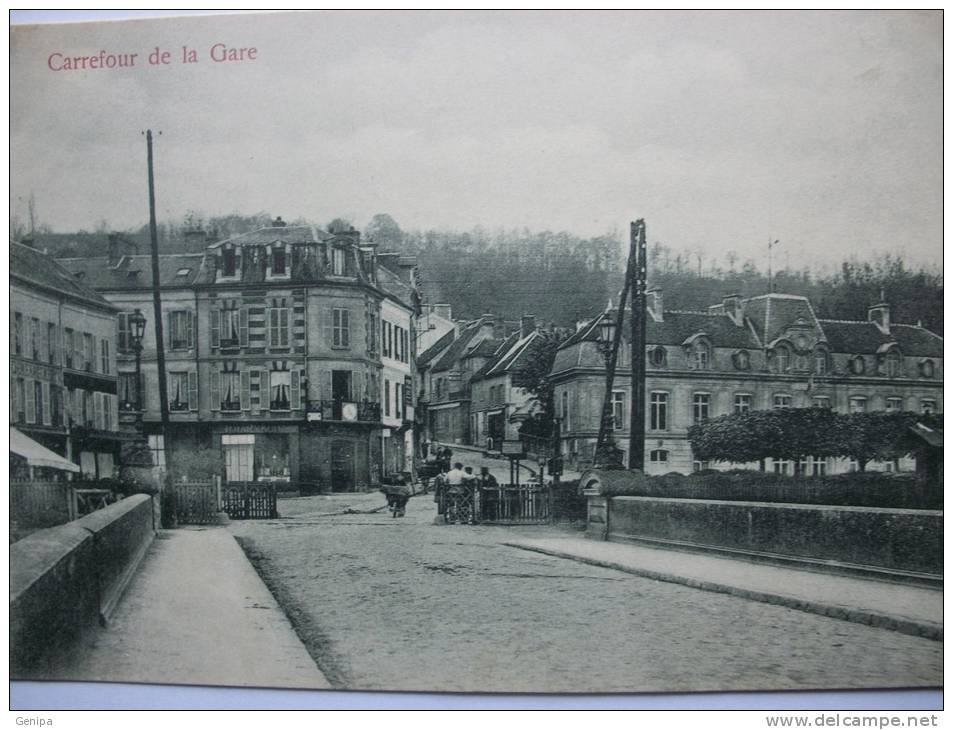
x: 889, y: 539
x: 66, y: 578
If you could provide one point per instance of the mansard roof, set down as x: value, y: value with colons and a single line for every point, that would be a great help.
x: 34, y: 267
x: 675, y: 328
x: 771, y: 314
x: 855, y: 337
x: 271, y: 234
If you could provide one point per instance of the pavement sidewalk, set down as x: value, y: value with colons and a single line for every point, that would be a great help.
x: 908, y: 609
x: 196, y: 612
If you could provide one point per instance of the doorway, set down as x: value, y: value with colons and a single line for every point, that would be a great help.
x: 342, y: 466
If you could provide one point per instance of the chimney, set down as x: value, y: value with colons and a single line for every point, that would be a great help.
x: 278, y: 223
x: 115, y: 249
x: 527, y: 325
x: 488, y: 324
x: 655, y: 304
x: 731, y: 304
x: 879, y: 314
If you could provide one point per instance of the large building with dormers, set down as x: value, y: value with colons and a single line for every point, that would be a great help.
x: 287, y: 353
x: 762, y: 352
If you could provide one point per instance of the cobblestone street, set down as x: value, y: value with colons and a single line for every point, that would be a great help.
x: 404, y: 604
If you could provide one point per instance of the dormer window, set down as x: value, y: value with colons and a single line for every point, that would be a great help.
x: 782, y: 359
x: 927, y: 368
x: 700, y: 355
x: 229, y: 262
x: 337, y: 261
x: 741, y: 360
x: 857, y: 365
x: 892, y: 364
x: 820, y: 362
x: 278, y: 266
x: 658, y: 356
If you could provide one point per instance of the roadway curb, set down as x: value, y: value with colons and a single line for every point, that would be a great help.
x: 912, y: 627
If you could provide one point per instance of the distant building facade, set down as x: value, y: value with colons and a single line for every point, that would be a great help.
x: 743, y: 354
x: 273, y: 346
x: 63, y: 375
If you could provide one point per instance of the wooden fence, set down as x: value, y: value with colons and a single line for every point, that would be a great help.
x: 196, y: 503
x: 250, y: 500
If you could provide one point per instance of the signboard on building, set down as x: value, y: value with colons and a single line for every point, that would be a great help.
x: 512, y: 448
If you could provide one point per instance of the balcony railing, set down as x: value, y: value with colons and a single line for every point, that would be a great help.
x: 343, y: 410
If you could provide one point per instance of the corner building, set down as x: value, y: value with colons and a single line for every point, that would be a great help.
x: 273, y: 357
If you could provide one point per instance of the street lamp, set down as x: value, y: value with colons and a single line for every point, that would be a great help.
x: 606, y: 453
x: 137, y: 328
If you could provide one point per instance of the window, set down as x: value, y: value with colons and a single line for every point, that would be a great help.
x: 157, y: 446
x: 278, y: 267
x: 618, y: 410
x: 699, y: 465
x: 658, y: 356
x: 229, y: 262
x: 818, y: 467
x: 38, y: 401
x: 89, y: 352
x: 927, y: 405
x: 658, y: 416
x: 180, y: 329
x: 280, y: 390
x: 125, y: 332
x: 398, y: 402
x: 892, y: 364
x: 104, y: 356
x: 278, y: 326
x: 231, y: 328
x: 782, y: 400
x: 857, y: 365
x: 56, y: 405
x: 178, y: 392
x: 857, y: 404
x: 231, y: 391
x: 565, y: 410
x: 782, y: 359
x: 386, y: 397
x: 927, y: 369
x: 782, y: 466
x: 337, y: 261
x: 658, y: 456
x: 68, y: 347
x: 340, y: 328
x: 19, y: 395
x: 128, y: 395
x: 700, y: 407
x: 35, y: 338
x: 742, y: 403
x: 894, y: 404
x: 820, y: 362
x: 821, y: 401
x: 51, y: 343
x: 107, y: 410
x: 701, y: 355
x: 18, y: 333
x: 386, y: 337
x: 742, y: 360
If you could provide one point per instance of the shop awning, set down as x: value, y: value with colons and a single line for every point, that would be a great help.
x: 37, y: 455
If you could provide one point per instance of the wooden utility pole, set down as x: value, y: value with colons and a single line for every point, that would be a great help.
x: 157, y: 307
x: 638, y: 274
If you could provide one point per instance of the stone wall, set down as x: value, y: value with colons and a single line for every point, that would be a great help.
x: 66, y: 578
x: 892, y: 539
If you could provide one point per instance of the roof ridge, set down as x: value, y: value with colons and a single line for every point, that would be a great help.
x: 846, y: 321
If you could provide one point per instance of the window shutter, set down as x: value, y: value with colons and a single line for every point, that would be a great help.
x: 215, y: 325
x: 13, y: 400
x: 30, y: 401
x: 264, y: 382
x: 193, y: 391
x: 215, y: 379
x: 295, y: 389
x: 328, y: 317
x: 97, y: 411
x: 190, y: 328
x: 286, y: 327
x: 245, y: 396
x: 243, y: 327
x: 169, y: 319
x: 27, y: 337
x: 47, y: 411
x: 55, y: 345
x: 345, y: 329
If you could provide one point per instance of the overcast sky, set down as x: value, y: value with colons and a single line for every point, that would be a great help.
x: 721, y: 129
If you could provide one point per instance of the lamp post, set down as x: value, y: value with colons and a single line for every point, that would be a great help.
x: 608, y: 330
x: 137, y: 329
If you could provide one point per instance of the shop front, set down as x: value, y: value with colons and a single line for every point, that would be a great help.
x: 263, y: 453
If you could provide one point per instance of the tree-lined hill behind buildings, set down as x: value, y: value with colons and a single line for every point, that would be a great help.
x: 562, y: 278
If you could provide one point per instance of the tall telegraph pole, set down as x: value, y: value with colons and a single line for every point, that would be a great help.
x: 157, y: 307
x: 638, y: 272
